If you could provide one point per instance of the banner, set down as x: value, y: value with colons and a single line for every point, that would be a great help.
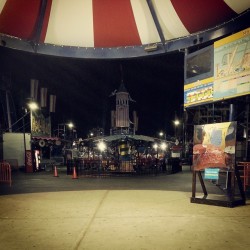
x: 33, y: 89
x: 52, y: 105
x: 43, y: 97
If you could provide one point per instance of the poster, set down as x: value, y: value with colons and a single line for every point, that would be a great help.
x: 232, y: 65
x: 214, y: 146
x: 40, y: 125
x: 231, y: 71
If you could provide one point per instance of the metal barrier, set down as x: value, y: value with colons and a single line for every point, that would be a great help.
x: 244, y: 168
x: 101, y: 168
x: 5, y: 172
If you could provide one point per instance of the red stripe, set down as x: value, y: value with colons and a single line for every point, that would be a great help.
x: 197, y: 15
x: 114, y: 24
x: 18, y: 18
x: 46, y: 21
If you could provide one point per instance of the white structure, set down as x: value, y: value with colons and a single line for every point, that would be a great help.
x: 122, y: 108
x: 14, y: 147
x: 120, y: 121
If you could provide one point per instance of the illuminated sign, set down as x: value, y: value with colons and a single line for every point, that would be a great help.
x: 231, y: 71
x: 211, y: 173
x: 232, y: 66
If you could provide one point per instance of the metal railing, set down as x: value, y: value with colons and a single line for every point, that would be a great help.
x: 5, y: 173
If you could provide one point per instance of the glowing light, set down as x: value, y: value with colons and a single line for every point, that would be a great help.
x: 161, y: 134
x: 163, y: 146
x: 176, y: 122
x: 71, y: 125
x: 101, y: 146
x: 33, y: 106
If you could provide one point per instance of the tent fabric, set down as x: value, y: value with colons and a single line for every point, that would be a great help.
x: 112, y: 23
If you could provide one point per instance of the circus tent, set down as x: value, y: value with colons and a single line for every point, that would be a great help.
x: 116, y: 28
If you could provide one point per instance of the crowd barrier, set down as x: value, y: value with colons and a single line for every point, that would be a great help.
x: 5, y: 172
x: 97, y: 167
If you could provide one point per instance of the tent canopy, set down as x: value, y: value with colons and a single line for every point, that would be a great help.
x: 116, y: 28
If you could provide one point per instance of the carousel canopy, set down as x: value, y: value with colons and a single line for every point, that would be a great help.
x: 116, y: 28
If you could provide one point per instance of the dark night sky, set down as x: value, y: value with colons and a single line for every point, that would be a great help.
x: 83, y: 86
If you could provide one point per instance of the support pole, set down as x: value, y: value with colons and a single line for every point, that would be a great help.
x: 247, y: 127
x: 8, y: 111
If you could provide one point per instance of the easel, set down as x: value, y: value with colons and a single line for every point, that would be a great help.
x: 227, y: 200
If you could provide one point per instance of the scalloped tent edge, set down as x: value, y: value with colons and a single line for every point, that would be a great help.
x: 180, y: 44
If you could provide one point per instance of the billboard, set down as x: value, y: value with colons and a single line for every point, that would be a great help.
x: 232, y: 66
x: 199, y: 65
x: 230, y: 76
x: 214, y: 146
x: 199, y: 92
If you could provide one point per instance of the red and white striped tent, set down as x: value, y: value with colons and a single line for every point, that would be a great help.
x: 116, y: 28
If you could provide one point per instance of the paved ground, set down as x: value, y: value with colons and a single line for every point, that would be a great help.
x: 40, y: 211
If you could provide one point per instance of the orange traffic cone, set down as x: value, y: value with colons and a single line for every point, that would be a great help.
x: 55, y: 172
x: 74, y: 176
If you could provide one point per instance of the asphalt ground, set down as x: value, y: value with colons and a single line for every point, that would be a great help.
x: 40, y: 211
x: 44, y: 181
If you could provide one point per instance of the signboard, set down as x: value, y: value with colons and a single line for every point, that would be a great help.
x: 199, y: 92
x: 230, y: 75
x: 214, y: 146
x: 232, y: 65
x: 212, y: 173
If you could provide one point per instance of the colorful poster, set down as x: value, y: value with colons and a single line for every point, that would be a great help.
x: 232, y: 65
x: 214, y: 146
x: 40, y: 125
x: 231, y: 72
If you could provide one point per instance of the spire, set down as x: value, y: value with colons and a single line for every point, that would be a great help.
x: 122, y: 87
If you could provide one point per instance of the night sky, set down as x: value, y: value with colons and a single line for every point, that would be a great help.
x: 83, y: 87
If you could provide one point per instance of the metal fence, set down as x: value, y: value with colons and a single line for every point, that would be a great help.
x: 98, y: 167
x: 5, y: 173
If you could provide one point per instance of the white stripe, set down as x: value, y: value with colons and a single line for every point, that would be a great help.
x: 238, y: 5
x: 2, y: 3
x: 171, y: 25
x: 144, y: 22
x: 71, y: 23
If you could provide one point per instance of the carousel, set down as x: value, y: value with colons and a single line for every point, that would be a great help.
x: 123, y: 151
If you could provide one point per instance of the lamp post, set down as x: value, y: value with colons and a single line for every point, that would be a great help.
x: 32, y: 106
x: 28, y: 155
x: 62, y: 127
x: 101, y: 146
x: 176, y: 124
x: 71, y: 126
